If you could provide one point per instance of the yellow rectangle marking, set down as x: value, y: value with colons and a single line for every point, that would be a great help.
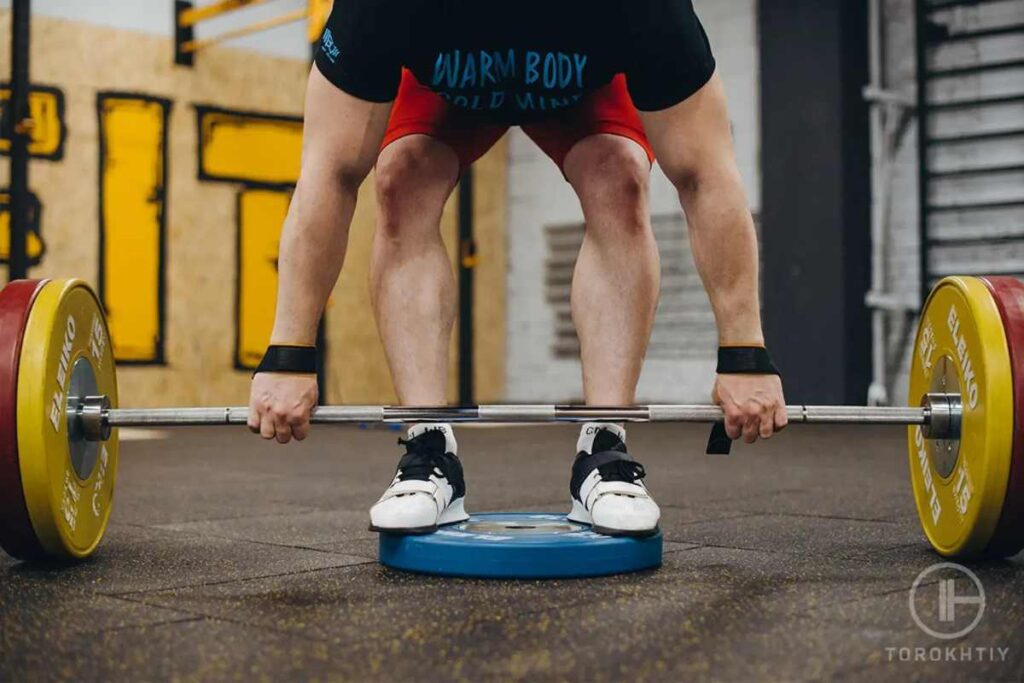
x: 261, y: 215
x: 133, y: 136
x: 46, y: 109
x: 249, y: 148
x: 34, y: 241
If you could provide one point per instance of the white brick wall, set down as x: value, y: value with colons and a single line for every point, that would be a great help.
x: 539, y: 196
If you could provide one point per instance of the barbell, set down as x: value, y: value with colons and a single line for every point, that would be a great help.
x: 59, y: 416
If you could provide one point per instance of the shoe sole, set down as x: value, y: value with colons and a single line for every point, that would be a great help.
x: 405, y: 531
x: 625, y: 533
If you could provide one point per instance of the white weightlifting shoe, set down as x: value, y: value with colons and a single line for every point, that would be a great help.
x: 607, y: 486
x: 428, y: 490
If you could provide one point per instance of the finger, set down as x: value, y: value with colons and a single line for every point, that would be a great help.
x: 253, y: 420
x: 282, y: 428
x: 781, y: 418
x: 767, y: 423
x: 267, y: 426
x: 750, y: 429
x: 733, y: 423
x: 299, y: 424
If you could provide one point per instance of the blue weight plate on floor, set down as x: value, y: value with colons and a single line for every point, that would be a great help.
x: 519, y: 545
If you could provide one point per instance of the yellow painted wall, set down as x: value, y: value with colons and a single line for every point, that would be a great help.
x: 211, y: 224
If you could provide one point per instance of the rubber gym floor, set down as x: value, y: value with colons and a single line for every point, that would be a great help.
x: 229, y: 558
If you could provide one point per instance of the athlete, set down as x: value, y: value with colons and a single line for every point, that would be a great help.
x: 421, y: 89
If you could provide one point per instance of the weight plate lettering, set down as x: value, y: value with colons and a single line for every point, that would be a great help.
x: 959, y: 495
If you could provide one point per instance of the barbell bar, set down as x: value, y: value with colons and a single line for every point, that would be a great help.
x: 939, y: 409
x: 59, y: 415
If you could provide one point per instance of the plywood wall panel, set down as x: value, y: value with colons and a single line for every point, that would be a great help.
x: 83, y: 60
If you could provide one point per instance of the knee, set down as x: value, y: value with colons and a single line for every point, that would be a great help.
x: 612, y: 185
x: 614, y: 177
x: 412, y: 184
x: 394, y: 179
x: 686, y: 177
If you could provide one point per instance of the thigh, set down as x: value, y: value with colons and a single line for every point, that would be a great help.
x: 420, y: 111
x: 606, y: 111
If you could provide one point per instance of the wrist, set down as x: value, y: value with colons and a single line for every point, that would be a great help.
x: 293, y: 337
x: 743, y: 329
x: 748, y: 342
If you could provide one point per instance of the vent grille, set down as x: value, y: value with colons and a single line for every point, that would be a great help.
x: 684, y: 326
x: 971, y: 107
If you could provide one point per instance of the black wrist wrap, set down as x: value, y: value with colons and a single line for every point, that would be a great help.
x: 737, y: 360
x: 288, y: 358
x: 745, y: 360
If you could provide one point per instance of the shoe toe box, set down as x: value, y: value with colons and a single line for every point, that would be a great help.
x: 404, y: 511
x: 625, y: 512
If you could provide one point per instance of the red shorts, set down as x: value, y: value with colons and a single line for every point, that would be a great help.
x: 419, y: 110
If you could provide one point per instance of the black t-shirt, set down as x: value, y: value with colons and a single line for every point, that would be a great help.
x: 517, y: 60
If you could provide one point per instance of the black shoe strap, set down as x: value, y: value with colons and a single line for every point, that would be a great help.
x: 612, y: 465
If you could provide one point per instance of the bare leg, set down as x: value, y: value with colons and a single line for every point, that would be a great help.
x: 617, y: 278
x: 411, y: 281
